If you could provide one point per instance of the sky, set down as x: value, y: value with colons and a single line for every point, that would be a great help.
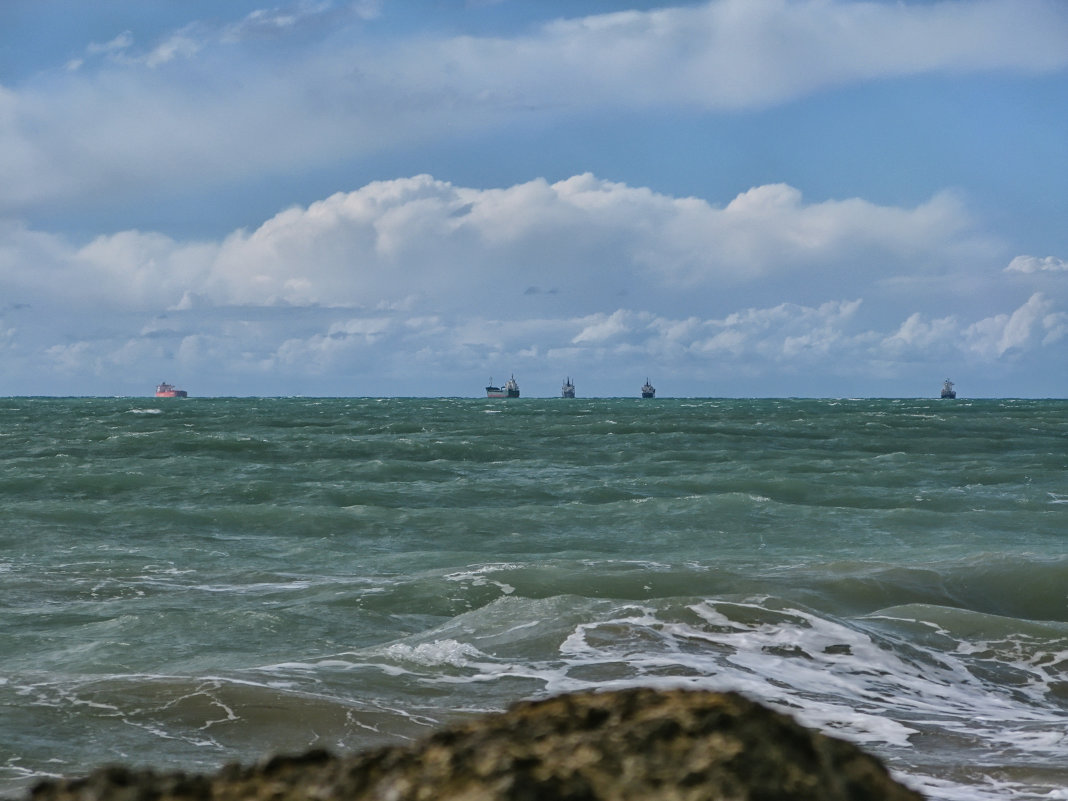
x: 733, y: 198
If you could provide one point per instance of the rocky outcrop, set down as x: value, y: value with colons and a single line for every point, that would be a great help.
x: 640, y: 744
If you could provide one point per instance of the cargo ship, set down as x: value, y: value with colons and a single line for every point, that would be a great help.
x: 648, y: 390
x: 947, y: 389
x: 568, y: 389
x: 165, y: 390
x: 509, y: 390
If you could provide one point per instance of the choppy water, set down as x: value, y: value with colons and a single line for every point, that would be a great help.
x: 191, y: 582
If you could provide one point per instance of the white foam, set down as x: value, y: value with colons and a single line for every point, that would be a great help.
x: 263, y: 586
x: 478, y: 576
x: 438, y: 652
x: 871, y: 680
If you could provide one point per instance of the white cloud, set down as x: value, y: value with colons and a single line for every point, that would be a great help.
x: 583, y: 236
x: 418, y: 275
x: 1033, y: 264
x: 268, y: 22
x: 423, y: 246
x: 745, y: 53
x: 918, y: 336
x: 1031, y: 326
x: 73, y: 358
x: 1056, y: 326
x: 276, y: 23
x: 121, y: 50
x: 995, y: 336
x: 396, y: 353
x: 215, y: 111
x: 120, y: 43
x: 180, y: 45
x: 141, y: 269
x: 603, y: 328
x: 789, y: 333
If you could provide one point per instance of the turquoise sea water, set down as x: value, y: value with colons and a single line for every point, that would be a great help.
x: 190, y: 582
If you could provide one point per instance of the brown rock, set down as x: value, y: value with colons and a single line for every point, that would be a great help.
x: 629, y: 745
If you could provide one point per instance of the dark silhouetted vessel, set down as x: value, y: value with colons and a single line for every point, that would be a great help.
x: 509, y: 390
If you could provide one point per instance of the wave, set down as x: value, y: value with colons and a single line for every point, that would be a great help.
x: 190, y: 582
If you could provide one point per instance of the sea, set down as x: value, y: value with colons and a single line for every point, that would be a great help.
x: 192, y: 582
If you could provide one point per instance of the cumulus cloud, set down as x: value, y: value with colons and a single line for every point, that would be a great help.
x: 421, y: 276
x: 374, y: 353
x: 1056, y: 327
x: 784, y: 340
x: 788, y: 332
x: 587, y: 238
x: 787, y: 337
x: 426, y: 245
x: 997, y: 335
x: 920, y: 338
x: 603, y: 328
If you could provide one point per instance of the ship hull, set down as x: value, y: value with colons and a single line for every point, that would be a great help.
x: 165, y: 390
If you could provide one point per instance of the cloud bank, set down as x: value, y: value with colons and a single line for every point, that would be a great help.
x: 428, y: 243
x: 418, y: 286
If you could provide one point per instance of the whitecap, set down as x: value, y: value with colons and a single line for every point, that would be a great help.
x: 438, y: 652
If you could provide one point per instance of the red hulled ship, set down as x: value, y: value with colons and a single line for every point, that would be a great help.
x: 165, y: 390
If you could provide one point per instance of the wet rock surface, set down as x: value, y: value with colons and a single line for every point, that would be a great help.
x: 645, y: 744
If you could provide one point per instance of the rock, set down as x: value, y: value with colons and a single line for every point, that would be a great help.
x: 627, y: 745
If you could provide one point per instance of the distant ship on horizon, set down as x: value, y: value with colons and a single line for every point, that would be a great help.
x: 165, y: 390
x: 568, y: 389
x: 648, y: 390
x: 947, y: 389
x: 509, y: 390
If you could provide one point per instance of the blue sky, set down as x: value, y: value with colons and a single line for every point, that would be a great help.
x: 734, y: 198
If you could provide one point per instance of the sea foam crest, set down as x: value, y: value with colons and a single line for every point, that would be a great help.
x: 478, y: 577
x: 438, y: 652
